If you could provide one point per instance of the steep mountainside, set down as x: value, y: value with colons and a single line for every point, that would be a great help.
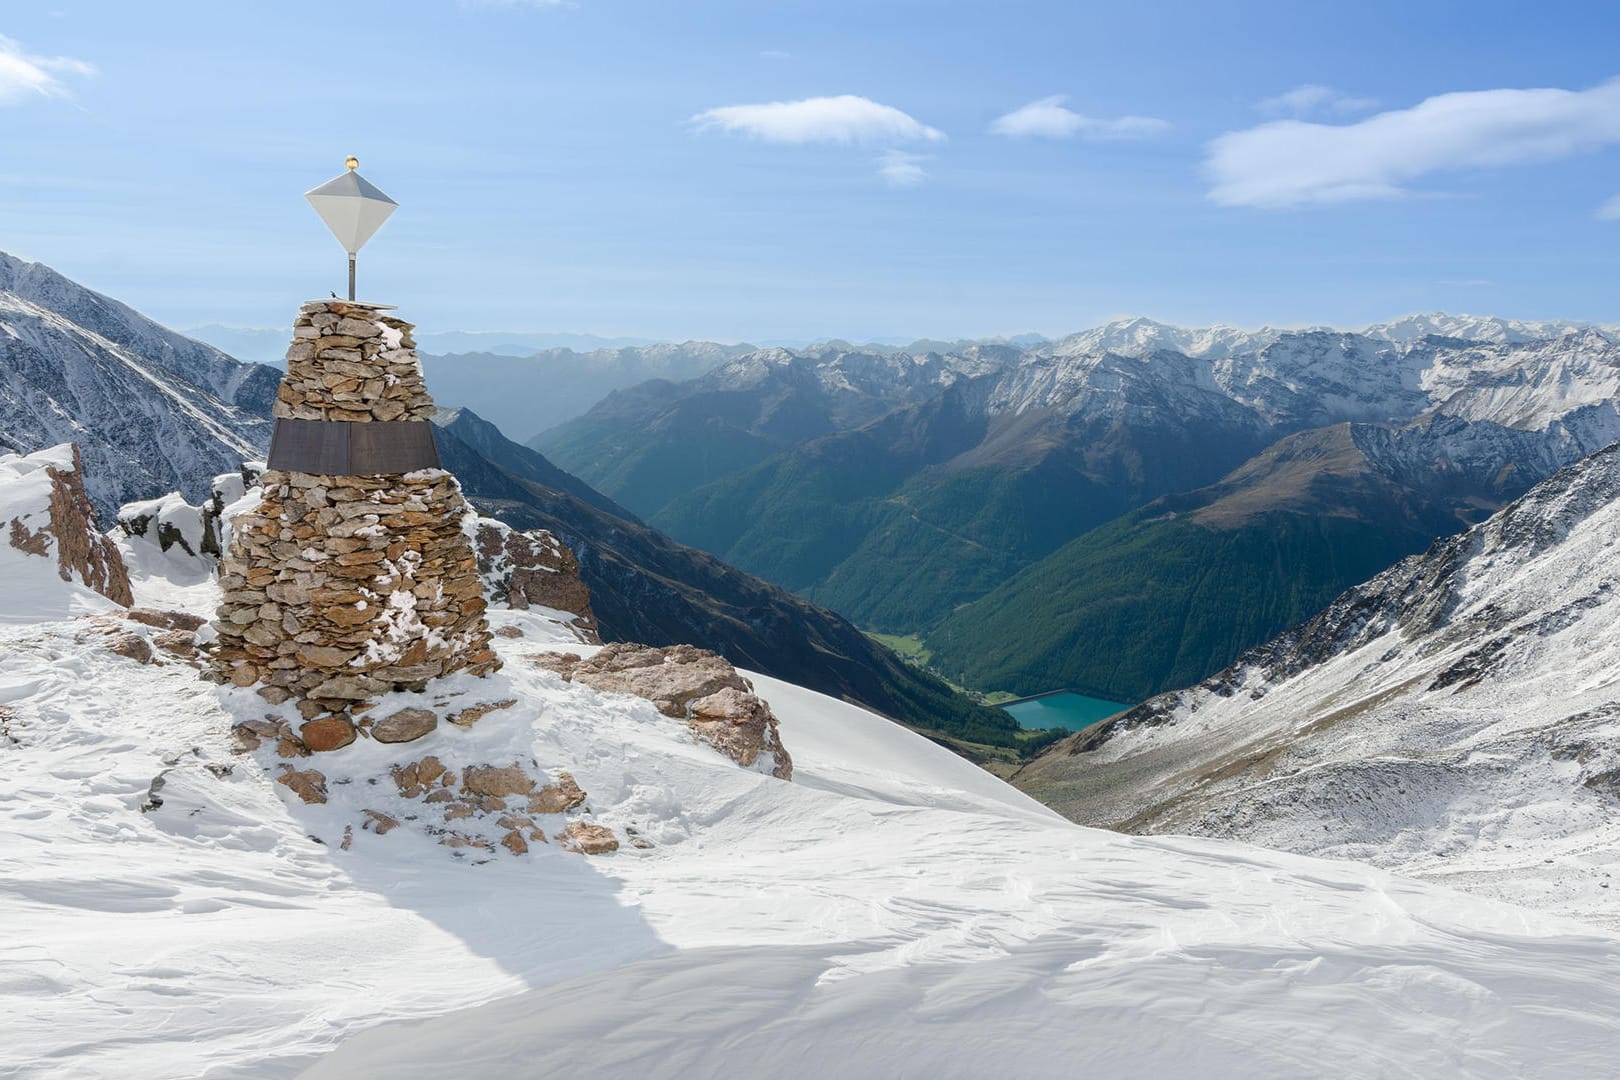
x: 1169, y: 593
x: 647, y: 588
x: 148, y: 409
x: 250, y: 387
x: 1457, y: 717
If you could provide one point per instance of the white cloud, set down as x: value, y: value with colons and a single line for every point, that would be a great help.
x: 901, y: 169
x: 1310, y: 98
x: 23, y: 76
x: 1294, y: 163
x: 1048, y: 118
x: 1609, y: 211
x: 843, y: 119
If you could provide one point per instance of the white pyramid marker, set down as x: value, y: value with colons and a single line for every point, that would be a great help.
x: 353, y: 208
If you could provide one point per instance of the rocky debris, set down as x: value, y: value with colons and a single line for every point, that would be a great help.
x: 690, y: 684
x: 588, y: 839
x: 63, y: 523
x: 469, y: 716
x: 307, y: 784
x: 128, y: 644
x: 379, y: 823
x: 327, y: 734
x: 513, y: 841
x: 557, y: 798
x: 166, y: 620
x: 338, y: 589
x: 416, y: 777
x: 406, y: 725
x: 533, y: 569
x: 178, y: 643
x: 509, y: 631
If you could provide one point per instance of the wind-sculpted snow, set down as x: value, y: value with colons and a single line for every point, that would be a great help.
x: 894, y: 911
x: 1455, y: 717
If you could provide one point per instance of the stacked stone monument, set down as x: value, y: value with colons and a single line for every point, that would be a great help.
x: 355, y: 575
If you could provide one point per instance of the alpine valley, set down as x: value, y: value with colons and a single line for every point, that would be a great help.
x: 1120, y: 512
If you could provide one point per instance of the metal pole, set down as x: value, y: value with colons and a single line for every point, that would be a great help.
x: 351, y: 275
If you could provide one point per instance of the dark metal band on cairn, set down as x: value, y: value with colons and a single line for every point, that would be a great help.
x: 347, y: 448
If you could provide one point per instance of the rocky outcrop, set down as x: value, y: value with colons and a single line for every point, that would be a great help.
x: 44, y: 511
x: 177, y: 527
x: 691, y: 684
x: 533, y: 569
x: 341, y: 588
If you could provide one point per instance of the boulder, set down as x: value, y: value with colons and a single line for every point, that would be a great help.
x: 406, y: 725
x: 307, y: 784
x: 496, y: 781
x: 588, y: 839
x: 327, y: 734
x: 555, y: 798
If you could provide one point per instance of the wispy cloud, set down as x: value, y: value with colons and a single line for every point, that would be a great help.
x: 846, y: 118
x: 1610, y: 210
x: 1311, y: 98
x: 23, y: 76
x: 902, y: 169
x: 1295, y: 163
x: 1049, y: 118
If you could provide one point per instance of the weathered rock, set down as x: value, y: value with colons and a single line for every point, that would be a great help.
x: 588, y: 839
x: 533, y: 569
x: 379, y: 823
x: 166, y: 620
x: 688, y: 683
x: 307, y: 784
x: 509, y: 631
x: 327, y: 734
x: 406, y: 725
x: 496, y: 781
x: 65, y: 526
x: 555, y: 798
x: 129, y: 644
x: 513, y: 841
x: 469, y: 716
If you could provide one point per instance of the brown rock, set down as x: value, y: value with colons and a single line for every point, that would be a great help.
x: 589, y: 839
x: 509, y: 631
x: 555, y: 798
x: 309, y: 784
x: 429, y: 770
x: 406, y: 725
x: 166, y: 620
x: 496, y: 781
x: 379, y: 823
x: 131, y: 645
x: 469, y: 716
x: 513, y: 841
x: 327, y: 734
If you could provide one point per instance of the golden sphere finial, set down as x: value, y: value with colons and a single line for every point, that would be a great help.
x: 352, y: 162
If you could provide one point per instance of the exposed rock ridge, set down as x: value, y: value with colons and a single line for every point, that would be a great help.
x: 691, y: 684
x: 64, y: 527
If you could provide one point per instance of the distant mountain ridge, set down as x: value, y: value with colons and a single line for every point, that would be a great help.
x: 896, y: 489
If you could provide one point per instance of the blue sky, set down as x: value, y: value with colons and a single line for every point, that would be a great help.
x: 604, y: 165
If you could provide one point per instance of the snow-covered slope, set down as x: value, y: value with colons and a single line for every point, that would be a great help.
x: 1456, y: 718
x: 1411, y: 329
x: 892, y: 911
x: 145, y: 409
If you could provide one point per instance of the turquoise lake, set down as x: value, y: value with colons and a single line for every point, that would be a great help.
x: 1071, y: 711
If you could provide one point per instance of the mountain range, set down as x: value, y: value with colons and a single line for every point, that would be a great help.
x: 1105, y: 487
x: 154, y: 412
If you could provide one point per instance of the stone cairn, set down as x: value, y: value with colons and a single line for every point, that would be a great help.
x: 354, y: 576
